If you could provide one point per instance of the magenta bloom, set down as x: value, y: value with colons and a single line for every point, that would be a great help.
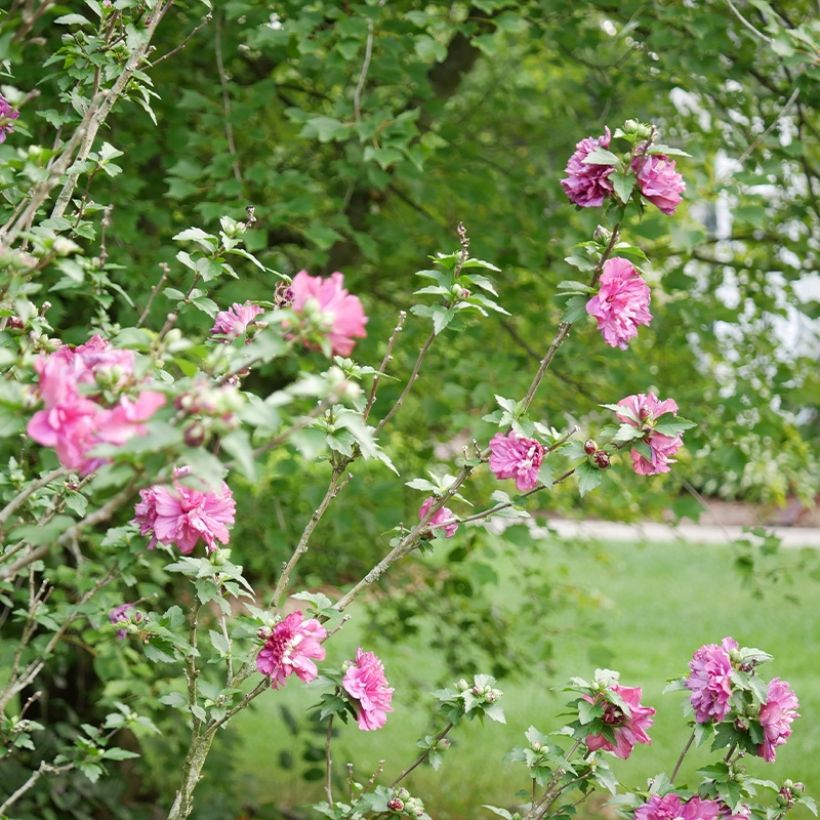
x: 122, y: 615
x: 74, y: 420
x: 366, y: 684
x: 343, y: 313
x: 643, y: 410
x: 513, y: 456
x: 658, y: 181
x: 710, y: 680
x: 586, y: 184
x: 621, y: 304
x: 291, y: 648
x: 7, y: 117
x: 234, y: 322
x: 180, y: 516
x: 671, y: 807
x: 776, y: 717
x: 630, y: 728
x: 443, y: 520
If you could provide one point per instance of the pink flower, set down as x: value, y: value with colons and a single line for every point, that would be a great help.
x: 658, y: 181
x: 441, y: 520
x: 776, y: 717
x: 642, y: 410
x: 366, y: 684
x: 181, y: 516
x: 710, y: 680
x: 7, y: 117
x: 122, y: 615
x: 671, y: 807
x: 629, y: 726
x: 343, y: 314
x: 234, y: 321
x: 74, y: 420
x: 291, y: 648
x: 587, y: 184
x: 621, y: 304
x: 513, y: 456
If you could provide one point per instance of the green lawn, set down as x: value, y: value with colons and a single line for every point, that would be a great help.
x: 663, y: 602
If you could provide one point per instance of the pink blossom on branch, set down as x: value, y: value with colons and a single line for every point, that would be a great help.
x: 671, y: 807
x: 587, y: 184
x: 181, y: 516
x: 235, y: 320
x: 291, y: 648
x: 7, y: 117
x: 513, y: 456
x: 629, y: 725
x: 659, y: 181
x: 342, y: 315
x: 621, y: 304
x: 366, y: 683
x: 710, y: 680
x: 443, y: 520
x: 776, y: 717
x: 642, y: 410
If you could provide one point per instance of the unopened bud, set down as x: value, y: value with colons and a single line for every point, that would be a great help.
x: 195, y: 434
x: 602, y: 234
x: 15, y: 323
x: 601, y: 459
x: 403, y: 794
x: 394, y: 804
x: 590, y: 447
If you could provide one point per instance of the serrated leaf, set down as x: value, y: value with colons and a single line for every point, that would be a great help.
x: 600, y: 156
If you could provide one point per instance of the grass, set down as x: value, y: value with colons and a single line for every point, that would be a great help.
x: 663, y: 602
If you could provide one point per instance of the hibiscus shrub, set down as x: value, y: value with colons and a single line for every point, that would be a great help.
x: 122, y: 449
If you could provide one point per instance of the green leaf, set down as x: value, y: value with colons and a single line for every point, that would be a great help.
x: 673, y: 425
x: 575, y: 309
x: 589, y: 477
x: 600, y: 156
x: 623, y: 184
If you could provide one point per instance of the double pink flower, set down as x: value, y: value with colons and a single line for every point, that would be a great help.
x: 77, y: 417
x: 643, y: 410
x: 291, y: 649
x: 628, y: 725
x: 366, y: 684
x: 514, y: 456
x: 621, y: 304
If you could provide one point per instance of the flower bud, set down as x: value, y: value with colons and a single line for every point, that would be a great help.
x: 395, y: 804
x: 601, y: 459
x: 462, y: 685
x: 590, y: 447
x: 460, y: 292
x: 15, y: 323
x: 195, y: 434
x: 602, y: 234
x: 403, y: 794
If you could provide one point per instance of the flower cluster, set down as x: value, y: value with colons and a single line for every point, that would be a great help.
x: 588, y: 182
x: 671, y: 807
x: 123, y: 615
x: 83, y: 390
x: 235, y: 321
x: 621, y: 304
x: 366, y: 684
x: 643, y: 411
x: 181, y: 516
x: 722, y: 687
x: 8, y: 115
x: 291, y: 648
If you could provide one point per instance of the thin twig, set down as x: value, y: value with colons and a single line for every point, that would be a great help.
x: 226, y: 101
x: 388, y: 355
x: 422, y: 757
x: 29, y: 490
x: 755, y: 31
x: 329, y: 762
x: 357, y: 93
x: 681, y: 756
x: 202, y: 23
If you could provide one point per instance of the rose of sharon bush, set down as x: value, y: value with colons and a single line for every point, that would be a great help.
x: 513, y: 456
x: 587, y: 184
x: 342, y: 313
x: 710, y: 680
x: 629, y: 725
x: 776, y: 717
x: 366, y: 683
x: 642, y: 411
x: 659, y: 181
x: 75, y: 418
x: 444, y: 521
x: 671, y: 807
x: 7, y: 117
x: 181, y: 516
x: 235, y: 320
x: 291, y: 648
x: 621, y: 304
